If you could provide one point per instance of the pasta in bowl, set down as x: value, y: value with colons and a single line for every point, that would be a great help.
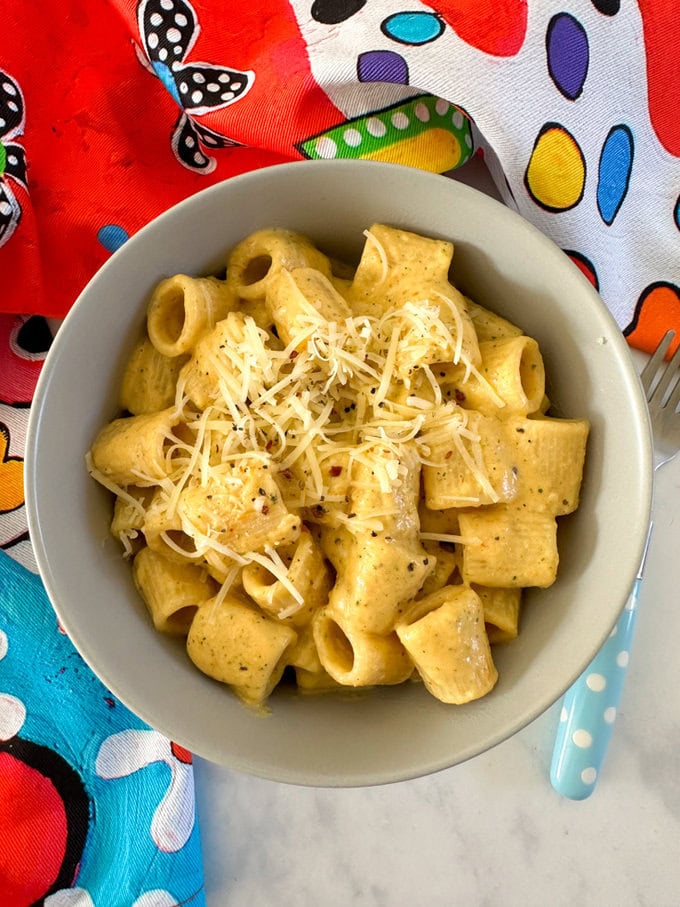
x: 339, y: 472
x: 350, y: 476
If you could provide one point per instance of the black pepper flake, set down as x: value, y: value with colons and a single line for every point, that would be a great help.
x: 520, y: 430
x: 261, y: 491
x: 374, y: 534
x: 411, y: 567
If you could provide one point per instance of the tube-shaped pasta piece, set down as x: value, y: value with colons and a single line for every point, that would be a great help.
x: 172, y: 592
x: 398, y: 267
x: 501, y: 612
x: 489, y: 325
x: 128, y: 518
x: 303, y: 653
x: 240, y: 508
x: 163, y: 531
x: 132, y: 451
x: 445, y: 562
x: 308, y: 573
x: 448, y: 644
x: 316, y: 681
x: 513, y: 378
x: 301, y: 298
x: 435, y: 526
x: 509, y: 547
x: 469, y: 466
x: 358, y: 659
x: 215, y: 367
x: 150, y: 379
x: 548, y: 457
x: 378, y: 569
x: 237, y: 644
x: 182, y: 309
x: 256, y: 261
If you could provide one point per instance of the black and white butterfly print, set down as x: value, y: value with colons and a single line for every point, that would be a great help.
x: 12, y: 155
x: 168, y: 30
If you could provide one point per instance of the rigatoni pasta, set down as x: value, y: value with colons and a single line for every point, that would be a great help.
x: 348, y: 473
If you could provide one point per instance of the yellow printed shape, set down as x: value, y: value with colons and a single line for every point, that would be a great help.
x: 435, y: 150
x: 556, y: 173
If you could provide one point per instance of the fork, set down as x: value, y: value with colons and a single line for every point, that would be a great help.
x: 590, y: 704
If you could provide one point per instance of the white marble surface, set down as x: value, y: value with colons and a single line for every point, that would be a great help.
x: 491, y: 832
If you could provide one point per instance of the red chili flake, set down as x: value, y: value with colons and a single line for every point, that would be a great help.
x: 293, y: 354
x: 286, y: 473
x: 269, y: 445
x: 335, y: 470
x: 265, y: 509
x: 449, y: 453
x: 460, y: 396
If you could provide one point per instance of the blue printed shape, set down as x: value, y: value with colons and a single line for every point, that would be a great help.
x: 112, y: 237
x: 616, y: 164
x: 412, y: 28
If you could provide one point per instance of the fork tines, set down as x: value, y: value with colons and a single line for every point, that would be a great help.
x: 663, y: 386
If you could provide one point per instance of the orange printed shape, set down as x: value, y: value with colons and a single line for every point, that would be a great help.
x: 496, y: 27
x: 657, y: 311
x: 661, y: 30
x: 11, y: 476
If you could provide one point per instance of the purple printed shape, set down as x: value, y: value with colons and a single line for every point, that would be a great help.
x: 568, y: 54
x: 382, y: 66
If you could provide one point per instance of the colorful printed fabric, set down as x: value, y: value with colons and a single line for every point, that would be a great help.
x: 112, y: 112
x: 96, y: 808
x: 139, y: 104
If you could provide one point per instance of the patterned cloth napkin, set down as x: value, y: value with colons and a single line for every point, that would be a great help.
x: 112, y: 112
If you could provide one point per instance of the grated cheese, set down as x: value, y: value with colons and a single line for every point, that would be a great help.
x: 334, y: 392
x: 382, y: 255
x: 447, y: 537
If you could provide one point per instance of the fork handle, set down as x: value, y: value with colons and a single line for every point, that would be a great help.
x: 589, y: 710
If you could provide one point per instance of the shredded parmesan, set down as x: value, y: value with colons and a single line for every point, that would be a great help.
x: 380, y: 249
x: 118, y: 490
x: 447, y: 537
x: 324, y: 408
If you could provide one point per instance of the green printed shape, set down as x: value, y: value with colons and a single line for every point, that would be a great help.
x: 365, y: 135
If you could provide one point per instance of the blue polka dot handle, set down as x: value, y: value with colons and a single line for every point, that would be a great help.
x: 589, y: 710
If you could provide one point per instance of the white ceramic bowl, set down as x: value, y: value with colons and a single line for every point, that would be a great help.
x: 392, y: 733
